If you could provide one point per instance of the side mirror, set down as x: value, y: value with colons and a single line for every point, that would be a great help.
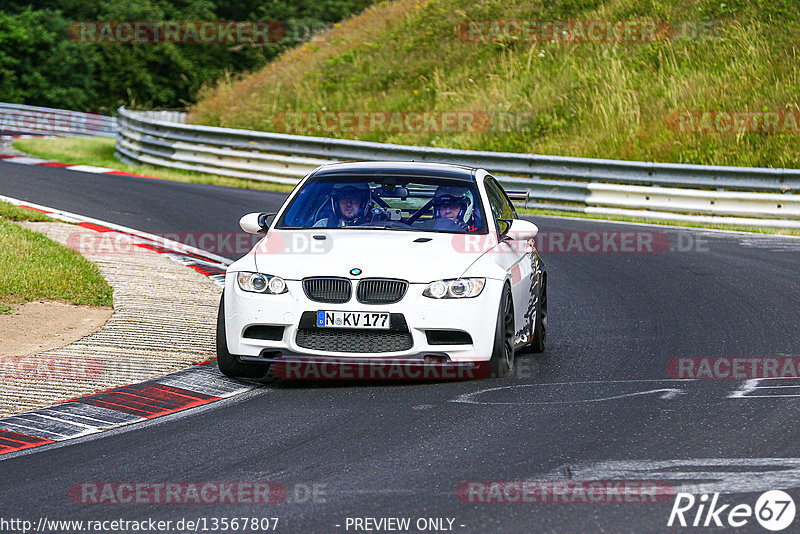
x: 521, y: 230
x: 255, y: 223
x: 503, y: 226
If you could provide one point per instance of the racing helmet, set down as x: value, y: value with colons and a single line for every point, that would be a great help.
x: 453, y: 194
x: 359, y: 190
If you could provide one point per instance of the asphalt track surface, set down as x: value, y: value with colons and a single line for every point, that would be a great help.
x: 598, y: 405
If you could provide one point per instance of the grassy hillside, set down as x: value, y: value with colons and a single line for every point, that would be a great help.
x: 578, y: 99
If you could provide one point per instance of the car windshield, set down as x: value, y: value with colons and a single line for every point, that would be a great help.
x: 392, y: 202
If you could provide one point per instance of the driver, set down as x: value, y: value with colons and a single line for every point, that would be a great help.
x: 453, y: 203
x: 349, y: 202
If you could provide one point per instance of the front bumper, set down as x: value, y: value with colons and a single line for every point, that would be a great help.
x: 476, y: 316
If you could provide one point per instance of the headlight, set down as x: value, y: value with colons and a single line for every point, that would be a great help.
x: 261, y: 283
x: 458, y: 288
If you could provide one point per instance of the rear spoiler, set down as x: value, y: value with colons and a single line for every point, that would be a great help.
x: 518, y: 195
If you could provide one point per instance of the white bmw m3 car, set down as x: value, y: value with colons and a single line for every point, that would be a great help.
x: 369, y: 263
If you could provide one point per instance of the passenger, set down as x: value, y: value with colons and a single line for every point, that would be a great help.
x: 454, y: 204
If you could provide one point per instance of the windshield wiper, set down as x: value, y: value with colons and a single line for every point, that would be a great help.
x: 384, y: 227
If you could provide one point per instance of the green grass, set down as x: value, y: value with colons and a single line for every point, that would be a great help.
x: 33, y: 267
x: 609, y: 100
x: 99, y: 152
x: 10, y: 212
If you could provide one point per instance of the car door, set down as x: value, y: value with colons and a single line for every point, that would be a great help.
x: 516, y: 257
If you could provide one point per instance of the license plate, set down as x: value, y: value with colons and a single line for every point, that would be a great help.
x: 340, y: 319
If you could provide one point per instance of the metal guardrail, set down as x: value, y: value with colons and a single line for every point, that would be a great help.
x: 162, y: 139
x: 733, y: 195
x: 708, y: 194
x: 18, y: 119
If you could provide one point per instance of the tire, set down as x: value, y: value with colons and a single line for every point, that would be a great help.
x: 229, y: 365
x: 502, y: 361
x: 540, y: 329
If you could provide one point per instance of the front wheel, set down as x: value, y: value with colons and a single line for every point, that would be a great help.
x: 229, y: 365
x: 502, y: 360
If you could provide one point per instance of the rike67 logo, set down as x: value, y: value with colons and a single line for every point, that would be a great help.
x: 774, y: 510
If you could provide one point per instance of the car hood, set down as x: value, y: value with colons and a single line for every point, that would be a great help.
x: 419, y: 257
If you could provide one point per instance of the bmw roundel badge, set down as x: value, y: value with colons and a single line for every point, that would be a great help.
x: 355, y: 271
